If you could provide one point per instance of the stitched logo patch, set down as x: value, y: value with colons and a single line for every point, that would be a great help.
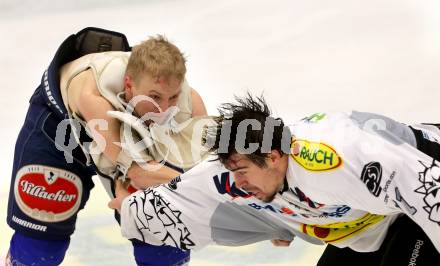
x: 371, y: 176
x: 315, y: 156
x: 47, y: 194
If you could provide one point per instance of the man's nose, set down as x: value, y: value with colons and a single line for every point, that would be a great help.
x: 164, y: 106
x: 240, y: 181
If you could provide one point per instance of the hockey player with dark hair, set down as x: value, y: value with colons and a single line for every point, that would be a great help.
x: 362, y: 183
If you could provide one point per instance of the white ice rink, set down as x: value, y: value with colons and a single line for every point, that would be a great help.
x: 306, y: 56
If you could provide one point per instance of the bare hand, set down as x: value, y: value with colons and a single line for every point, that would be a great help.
x: 280, y: 243
x: 121, y: 194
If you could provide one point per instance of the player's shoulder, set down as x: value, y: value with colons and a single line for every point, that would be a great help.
x: 113, y: 57
x: 320, y: 124
x: 98, y: 62
x: 84, y: 83
x: 323, y: 136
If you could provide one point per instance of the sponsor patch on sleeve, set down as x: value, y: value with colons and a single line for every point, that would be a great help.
x: 372, y: 175
x: 340, y: 231
x: 47, y: 194
x: 315, y: 156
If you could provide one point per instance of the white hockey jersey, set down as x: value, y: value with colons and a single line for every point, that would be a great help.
x: 350, y: 176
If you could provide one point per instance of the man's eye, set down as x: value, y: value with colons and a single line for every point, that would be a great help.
x: 155, y: 97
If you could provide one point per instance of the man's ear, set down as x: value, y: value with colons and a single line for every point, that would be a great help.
x: 128, y: 86
x: 275, y: 156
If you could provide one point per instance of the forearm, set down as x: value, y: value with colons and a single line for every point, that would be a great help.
x: 150, y: 175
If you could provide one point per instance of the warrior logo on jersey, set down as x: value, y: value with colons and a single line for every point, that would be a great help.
x: 315, y: 156
x: 430, y: 179
x: 47, y: 194
x: 371, y: 176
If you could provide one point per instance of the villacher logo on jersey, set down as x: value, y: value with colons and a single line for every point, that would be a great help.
x: 47, y: 194
x: 40, y: 192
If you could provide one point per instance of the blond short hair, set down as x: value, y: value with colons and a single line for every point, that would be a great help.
x: 157, y: 57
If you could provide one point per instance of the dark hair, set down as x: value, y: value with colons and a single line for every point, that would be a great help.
x: 253, y: 111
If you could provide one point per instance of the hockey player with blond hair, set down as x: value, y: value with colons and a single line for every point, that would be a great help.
x: 68, y: 137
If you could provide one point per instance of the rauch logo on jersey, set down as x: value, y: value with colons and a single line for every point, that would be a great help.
x: 315, y: 156
x: 47, y: 194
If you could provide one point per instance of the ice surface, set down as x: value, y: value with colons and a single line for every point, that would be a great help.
x: 306, y: 56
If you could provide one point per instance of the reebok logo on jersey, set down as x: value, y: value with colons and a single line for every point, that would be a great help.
x: 415, y: 253
x: 47, y: 194
x: 315, y: 156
